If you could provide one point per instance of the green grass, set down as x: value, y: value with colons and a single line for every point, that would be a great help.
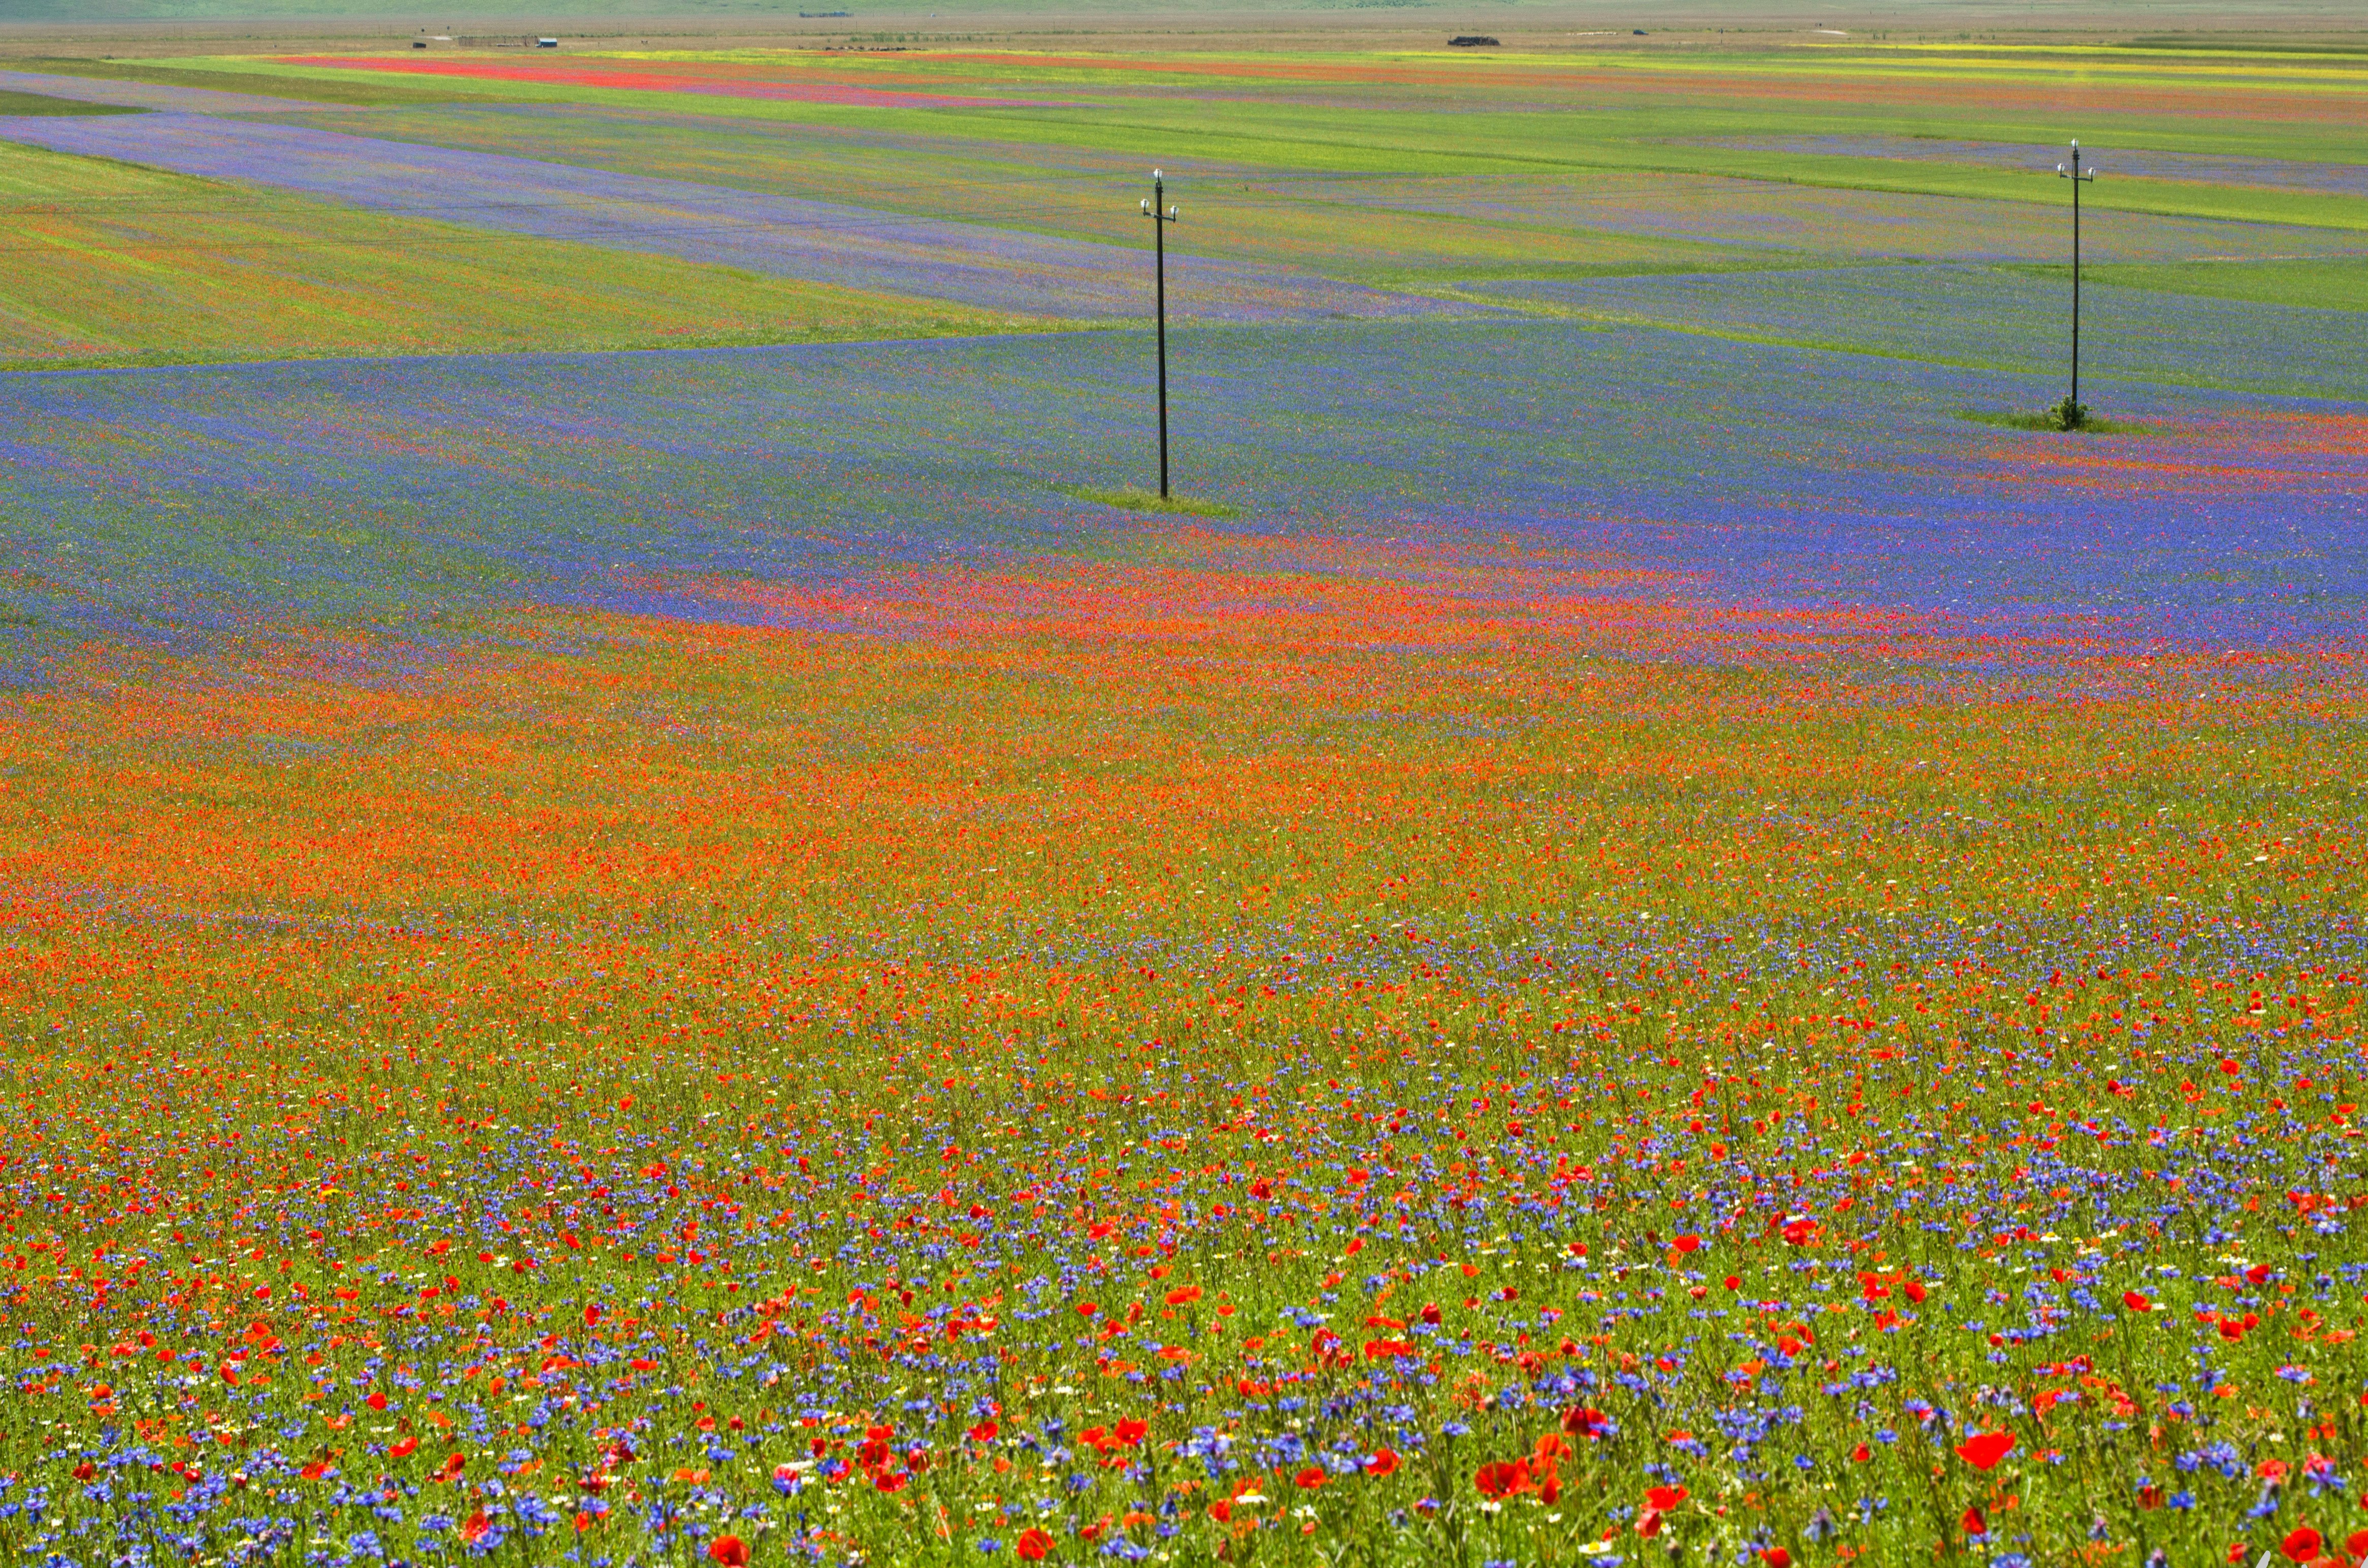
x: 37, y: 103
x: 1133, y: 500
x: 111, y: 264
x: 2328, y: 283
x: 359, y: 88
x: 2206, y: 44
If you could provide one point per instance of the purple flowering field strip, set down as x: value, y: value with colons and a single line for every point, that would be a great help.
x: 820, y: 242
x: 1239, y: 211
x: 1732, y: 472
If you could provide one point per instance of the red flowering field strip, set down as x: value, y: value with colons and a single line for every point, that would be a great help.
x: 793, y: 86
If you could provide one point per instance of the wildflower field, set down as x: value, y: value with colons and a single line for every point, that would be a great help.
x: 1654, y: 937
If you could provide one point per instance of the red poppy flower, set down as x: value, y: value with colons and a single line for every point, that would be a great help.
x: 1686, y: 1244
x: 1502, y: 1479
x: 2301, y: 1546
x: 1984, y: 1449
x: 1183, y: 1295
x: 1973, y: 1523
x: 730, y: 1550
x: 1034, y: 1546
x: 1664, y: 1499
x: 1129, y: 1433
x: 2137, y: 1302
x: 1582, y: 1421
x: 1383, y: 1462
x: 1308, y: 1480
x: 1776, y: 1557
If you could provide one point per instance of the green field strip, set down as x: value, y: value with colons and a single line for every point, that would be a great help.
x: 1671, y: 87
x: 1514, y: 136
x: 231, y: 75
x: 1394, y: 142
x: 1380, y: 143
x: 2162, y: 197
x: 1445, y: 283
x: 2034, y: 65
x: 2303, y: 70
x: 40, y: 104
x: 2319, y: 282
x: 1633, y: 136
x: 109, y: 262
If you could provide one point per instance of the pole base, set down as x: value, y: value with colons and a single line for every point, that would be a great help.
x: 1133, y: 500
